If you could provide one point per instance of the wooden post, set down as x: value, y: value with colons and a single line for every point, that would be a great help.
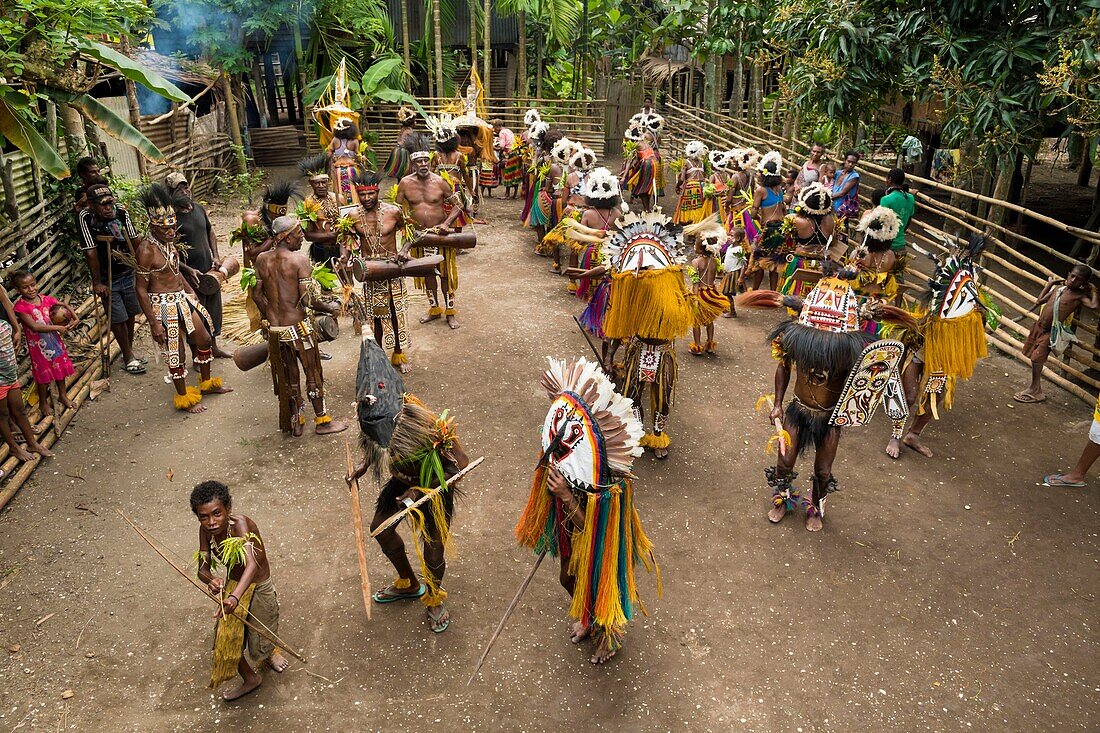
x: 521, y: 57
x: 405, y: 45
x: 135, y: 120
x: 234, y: 125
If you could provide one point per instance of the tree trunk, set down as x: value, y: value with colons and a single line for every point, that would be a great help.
x: 1093, y: 224
x: 487, y: 47
x: 737, y: 91
x: 472, y: 40
x: 1085, y: 171
x: 75, y: 141
x: 710, y: 68
x: 965, y: 175
x: 437, y: 34
x: 234, y: 125
x: 405, y: 46
x: 756, y: 93
x: 691, y: 83
x: 1006, y: 167
x: 538, y: 65
x: 135, y: 120
x: 521, y: 56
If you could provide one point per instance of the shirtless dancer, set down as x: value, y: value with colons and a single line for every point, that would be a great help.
x: 212, y: 506
x: 169, y: 304
x: 283, y: 288
x: 1067, y: 297
x: 376, y: 225
x: 422, y: 195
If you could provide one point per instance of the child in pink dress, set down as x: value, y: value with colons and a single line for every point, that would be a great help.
x: 49, y: 358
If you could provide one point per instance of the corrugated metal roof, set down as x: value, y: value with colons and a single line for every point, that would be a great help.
x: 503, y: 29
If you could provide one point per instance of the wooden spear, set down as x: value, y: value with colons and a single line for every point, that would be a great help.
x: 428, y: 494
x: 266, y: 633
x: 357, y: 520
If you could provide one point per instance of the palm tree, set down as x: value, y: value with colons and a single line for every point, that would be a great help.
x: 561, y: 19
x: 405, y: 36
x: 437, y: 34
x: 487, y: 48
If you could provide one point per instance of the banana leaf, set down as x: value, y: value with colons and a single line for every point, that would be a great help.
x: 17, y: 130
x: 109, y: 122
x: 133, y: 70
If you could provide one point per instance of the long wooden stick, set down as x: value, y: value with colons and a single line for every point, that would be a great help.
x: 357, y: 519
x: 511, y: 607
x: 427, y: 495
x: 267, y: 634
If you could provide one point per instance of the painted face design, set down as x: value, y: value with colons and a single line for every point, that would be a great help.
x: 579, y: 455
x: 830, y: 306
x: 960, y: 296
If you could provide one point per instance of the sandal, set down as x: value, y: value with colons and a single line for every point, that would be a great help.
x: 439, y: 625
x: 1059, y: 480
x: 382, y: 597
x: 135, y: 367
x: 695, y: 348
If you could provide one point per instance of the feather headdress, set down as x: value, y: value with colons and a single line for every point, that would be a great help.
x: 601, y: 184
x: 771, y: 164
x: 157, y: 201
x: 405, y: 113
x: 590, y: 430
x: 880, y: 223
x: 563, y: 150
x: 816, y: 200
x: 531, y: 117
x: 314, y: 167
x: 634, y: 133
x: 695, y: 150
x: 442, y: 127
x: 719, y: 160
x: 711, y: 231
x: 537, y: 129
x: 583, y: 159
x: 276, y: 197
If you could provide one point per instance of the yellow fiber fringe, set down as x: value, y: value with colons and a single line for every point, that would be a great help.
x: 651, y: 304
x: 210, y: 384
x: 399, y: 358
x: 184, y: 401
x: 450, y: 312
x: 954, y: 345
x: 431, y: 599
x: 706, y: 306
x: 417, y: 522
x: 229, y: 639
x: 435, y: 310
x: 402, y: 583
x: 322, y: 419
x: 649, y: 440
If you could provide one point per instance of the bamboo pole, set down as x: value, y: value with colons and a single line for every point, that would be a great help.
x: 357, y: 520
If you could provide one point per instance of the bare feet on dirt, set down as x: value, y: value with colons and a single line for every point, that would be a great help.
x: 220, y: 390
x: 242, y: 688
x: 776, y: 513
x: 453, y: 323
x: 579, y: 632
x: 893, y: 448
x: 429, y: 318
x: 336, y: 426
x: 912, y: 440
x: 814, y: 523
x: 604, y: 652
x: 278, y: 662
x: 196, y: 409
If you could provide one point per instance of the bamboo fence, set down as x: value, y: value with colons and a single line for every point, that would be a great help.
x: 583, y: 120
x: 41, y: 239
x: 1012, y: 273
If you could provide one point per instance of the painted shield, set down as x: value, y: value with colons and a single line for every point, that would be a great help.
x: 875, y: 380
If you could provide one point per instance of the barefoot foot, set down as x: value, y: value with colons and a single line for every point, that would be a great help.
x: 453, y: 323
x: 893, y: 448
x: 604, y: 650
x: 67, y: 403
x: 196, y: 409
x: 406, y: 368
x: 277, y: 661
x: 579, y: 632
x: 40, y: 450
x: 660, y: 453
x: 429, y: 318
x: 814, y: 523
x: 21, y: 454
x: 912, y: 440
x: 336, y: 426
x: 220, y: 390
x: 241, y: 689
x: 776, y: 513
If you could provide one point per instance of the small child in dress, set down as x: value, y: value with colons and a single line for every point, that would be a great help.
x: 826, y: 174
x: 733, y: 267
x: 45, y: 321
x: 11, y: 397
x: 788, y: 187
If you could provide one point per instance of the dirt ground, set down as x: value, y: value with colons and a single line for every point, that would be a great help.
x: 947, y: 594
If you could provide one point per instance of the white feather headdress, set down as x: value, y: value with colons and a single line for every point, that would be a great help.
x: 816, y: 199
x: 563, y: 150
x: 583, y: 159
x: 695, y: 150
x: 537, y: 129
x: 880, y: 223
x: 765, y: 166
x: 531, y: 116
x: 601, y: 184
x: 719, y: 160
x: 442, y: 127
